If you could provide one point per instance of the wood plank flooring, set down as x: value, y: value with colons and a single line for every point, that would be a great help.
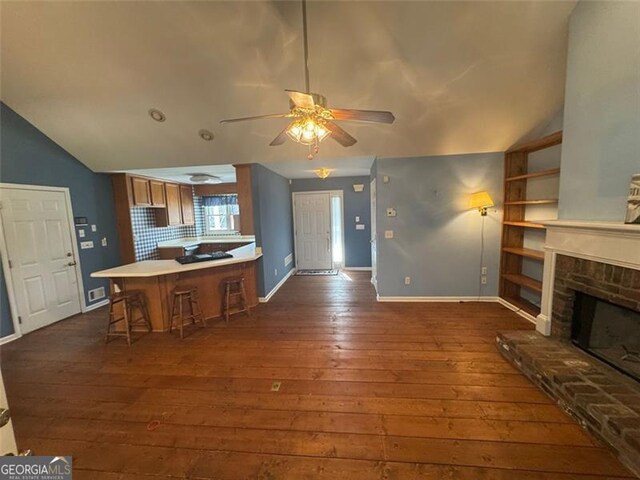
x: 368, y: 391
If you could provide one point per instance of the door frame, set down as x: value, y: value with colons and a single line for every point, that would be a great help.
x: 332, y: 193
x: 4, y: 252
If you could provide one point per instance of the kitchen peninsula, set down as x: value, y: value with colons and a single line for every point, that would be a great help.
x: 158, y: 278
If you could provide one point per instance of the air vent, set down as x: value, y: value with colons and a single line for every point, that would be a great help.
x: 96, y: 294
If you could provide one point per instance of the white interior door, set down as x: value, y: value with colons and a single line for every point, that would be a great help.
x: 7, y: 438
x: 313, y: 231
x: 374, y: 246
x: 39, y: 244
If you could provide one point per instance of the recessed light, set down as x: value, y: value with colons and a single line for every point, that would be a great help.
x: 157, y: 115
x: 206, y: 135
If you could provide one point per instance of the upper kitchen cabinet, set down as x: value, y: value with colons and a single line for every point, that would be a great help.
x: 186, y: 202
x: 157, y: 193
x: 147, y: 193
x: 141, y: 191
x: 172, y: 214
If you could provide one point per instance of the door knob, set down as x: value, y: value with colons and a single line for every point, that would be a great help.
x: 71, y: 264
x: 69, y: 254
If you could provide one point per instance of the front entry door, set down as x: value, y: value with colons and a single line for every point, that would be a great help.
x: 38, y: 236
x: 313, y: 231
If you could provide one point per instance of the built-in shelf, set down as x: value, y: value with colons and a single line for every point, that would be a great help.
x: 525, y: 252
x: 524, y: 281
x: 547, y: 201
x: 525, y: 224
x: 541, y: 173
x: 517, y: 285
x: 524, y: 305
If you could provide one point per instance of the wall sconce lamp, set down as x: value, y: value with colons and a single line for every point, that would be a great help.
x: 481, y: 201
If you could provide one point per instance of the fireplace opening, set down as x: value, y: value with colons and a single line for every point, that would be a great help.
x: 608, y: 331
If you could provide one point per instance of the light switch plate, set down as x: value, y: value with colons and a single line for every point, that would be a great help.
x: 385, y: 179
x: 94, y: 228
x: 81, y: 233
x: 360, y: 226
x: 104, y: 241
x: 85, y: 245
x: 357, y: 219
x: 388, y: 234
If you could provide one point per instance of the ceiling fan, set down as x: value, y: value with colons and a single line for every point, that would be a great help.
x: 312, y: 120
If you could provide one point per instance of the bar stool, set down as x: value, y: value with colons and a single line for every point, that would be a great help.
x: 131, y: 301
x: 190, y: 295
x: 234, y: 288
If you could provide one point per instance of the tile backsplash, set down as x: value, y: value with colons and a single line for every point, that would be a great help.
x: 147, y: 235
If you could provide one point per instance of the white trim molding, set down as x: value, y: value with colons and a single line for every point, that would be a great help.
x: 277, y: 287
x: 606, y: 242
x: 96, y: 305
x: 357, y: 269
x: 517, y: 310
x: 9, y: 338
x: 437, y: 299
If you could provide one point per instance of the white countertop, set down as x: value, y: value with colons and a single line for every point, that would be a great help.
x: 191, y: 241
x: 155, y: 268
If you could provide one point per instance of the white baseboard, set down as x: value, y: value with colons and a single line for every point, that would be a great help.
x: 357, y: 269
x: 95, y: 306
x: 9, y: 338
x: 277, y: 287
x: 437, y: 299
x: 517, y: 310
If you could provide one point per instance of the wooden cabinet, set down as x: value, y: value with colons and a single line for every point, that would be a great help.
x: 186, y: 203
x: 157, y: 193
x: 141, y: 192
x: 171, y: 215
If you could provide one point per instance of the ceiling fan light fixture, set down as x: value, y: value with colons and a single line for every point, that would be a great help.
x: 157, y: 115
x: 308, y: 131
x: 206, y: 135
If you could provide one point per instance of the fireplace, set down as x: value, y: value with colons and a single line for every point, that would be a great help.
x: 607, y: 331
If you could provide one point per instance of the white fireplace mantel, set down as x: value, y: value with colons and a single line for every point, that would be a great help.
x: 606, y: 242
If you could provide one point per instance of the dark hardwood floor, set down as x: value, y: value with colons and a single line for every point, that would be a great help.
x: 368, y: 391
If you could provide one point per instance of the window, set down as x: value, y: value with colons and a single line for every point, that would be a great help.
x: 220, y: 213
x: 336, y: 230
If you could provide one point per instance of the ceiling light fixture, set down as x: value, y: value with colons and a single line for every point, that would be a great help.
x: 204, y: 178
x: 323, y: 172
x: 206, y: 135
x: 157, y: 115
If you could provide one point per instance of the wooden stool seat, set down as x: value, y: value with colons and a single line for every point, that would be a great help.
x: 233, y: 288
x: 131, y: 301
x: 190, y: 295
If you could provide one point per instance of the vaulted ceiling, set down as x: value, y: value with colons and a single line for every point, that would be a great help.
x: 460, y: 77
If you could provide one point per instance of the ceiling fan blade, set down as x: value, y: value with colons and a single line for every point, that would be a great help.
x: 280, y: 139
x: 340, y: 135
x: 376, y: 116
x: 274, y: 115
x: 301, y: 99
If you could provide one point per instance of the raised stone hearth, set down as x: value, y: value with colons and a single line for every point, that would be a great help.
x: 602, y: 400
x: 590, y: 315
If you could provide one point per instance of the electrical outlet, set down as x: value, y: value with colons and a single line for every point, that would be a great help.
x: 94, y: 228
x: 104, y: 241
x: 484, y: 271
x: 388, y: 234
x: 275, y: 386
x: 483, y: 280
x: 275, y: 272
x: 357, y: 219
x: 407, y: 280
x: 385, y: 179
x: 85, y: 245
x: 391, y: 212
x: 81, y: 233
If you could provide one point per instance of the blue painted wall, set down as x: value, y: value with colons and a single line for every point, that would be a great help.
x: 30, y: 157
x: 356, y: 242
x: 437, y: 239
x: 273, y: 223
x: 601, y: 142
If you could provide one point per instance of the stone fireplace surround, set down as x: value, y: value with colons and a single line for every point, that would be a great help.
x: 602, y: 260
